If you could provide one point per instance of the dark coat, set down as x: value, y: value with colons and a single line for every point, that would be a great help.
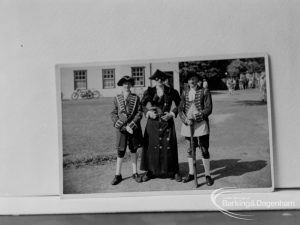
x: 127, y: 114
x: 160, y: 152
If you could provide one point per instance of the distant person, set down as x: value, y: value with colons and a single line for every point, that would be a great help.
x: 160, y: 151
x: 263, y: 87
x: 251, y: 81
x: 248, y: 77
x: 126, y: 116
x: 243, y: 81
x: 256, y: 80
x: 205, y: 83
x: 230, y: 85
x: 241, y: 84
x: 195, y: 107
x: 234, y: 83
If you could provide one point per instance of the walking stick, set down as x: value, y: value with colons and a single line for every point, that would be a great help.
x: 193, y: 154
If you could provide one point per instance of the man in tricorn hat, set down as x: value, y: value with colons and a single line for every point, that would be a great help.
x: 194, y: 109
x: 160, y: 151
x: 126, y: 116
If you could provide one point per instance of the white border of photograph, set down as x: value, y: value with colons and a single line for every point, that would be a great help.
x: 161, y: 193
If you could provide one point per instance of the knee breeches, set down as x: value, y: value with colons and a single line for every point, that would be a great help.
x: 202, y: 142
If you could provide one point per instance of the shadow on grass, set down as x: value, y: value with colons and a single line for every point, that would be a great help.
x: 226, y: 167
x: 218, y: 92
x: 250, y: 102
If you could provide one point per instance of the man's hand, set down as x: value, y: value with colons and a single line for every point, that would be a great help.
x: 198, y: 116
x: 167, y: 116
x: 189, y: 122
x: 151, y: 114
x: 191, y: 116
x: 129, y: 130
x: 123, y: 117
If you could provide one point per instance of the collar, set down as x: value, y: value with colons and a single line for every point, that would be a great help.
x: 126, y: 94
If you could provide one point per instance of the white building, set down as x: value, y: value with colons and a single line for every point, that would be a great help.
x: 104, y: 78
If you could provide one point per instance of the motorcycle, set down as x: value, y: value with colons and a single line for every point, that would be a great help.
x: 85, y: 94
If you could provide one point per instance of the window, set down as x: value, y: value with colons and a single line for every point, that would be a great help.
x: 108, y: 78
x: 80, y: 79
x: 138, y: 74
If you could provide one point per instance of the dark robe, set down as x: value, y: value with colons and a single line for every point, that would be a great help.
x: 160, y: 152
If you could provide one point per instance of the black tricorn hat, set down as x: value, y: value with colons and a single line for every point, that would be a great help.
x: 125, y: 79
x: 159, y: 74
x: 193, y: 74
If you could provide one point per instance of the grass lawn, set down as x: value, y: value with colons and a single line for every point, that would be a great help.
x: 88, y: 132
x: 89, y: 137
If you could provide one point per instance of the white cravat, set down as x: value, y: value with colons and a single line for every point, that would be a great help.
x: 125, y: 95
x: 192, y: 94
x: 159, y: 91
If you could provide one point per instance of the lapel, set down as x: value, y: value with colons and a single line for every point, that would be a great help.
x: 121, y: 103
x: 198, y: 96
x: 131, y: 103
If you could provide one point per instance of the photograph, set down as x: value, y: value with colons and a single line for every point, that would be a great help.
x: 166, y: 125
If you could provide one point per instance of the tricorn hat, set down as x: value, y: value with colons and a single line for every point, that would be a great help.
x: 193, y: 74
x: 159, y: 74
x: 125, y: 79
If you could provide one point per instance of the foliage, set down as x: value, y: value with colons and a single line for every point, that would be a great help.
x: 254, y: 66
x: 215, y: 70
x: 211, y: 68
x: 206, y: 69
x: 236, y: 67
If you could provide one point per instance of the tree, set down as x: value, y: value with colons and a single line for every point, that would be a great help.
x: 212, y: 70
x: 236, y: 67
x: 206, y: 69
x: 253, y: 67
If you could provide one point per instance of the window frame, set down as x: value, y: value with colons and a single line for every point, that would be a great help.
x: 76, y: 80
x: 114, y: 78
x: 144, y: 74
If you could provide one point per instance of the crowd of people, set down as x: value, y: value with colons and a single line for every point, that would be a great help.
x: 248, y: 81
x: 159, y: 139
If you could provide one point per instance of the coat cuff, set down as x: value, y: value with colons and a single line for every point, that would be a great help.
x: 186, y: 121
x: 198, y: 117
x: 173, y: 114
x: 119, y: 124
x: 148, y: 114
x: 133, y: 125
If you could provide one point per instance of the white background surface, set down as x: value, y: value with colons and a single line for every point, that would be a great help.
x: 37, y: 35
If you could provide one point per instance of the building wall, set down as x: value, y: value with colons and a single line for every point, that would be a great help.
x: 95, y: 77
